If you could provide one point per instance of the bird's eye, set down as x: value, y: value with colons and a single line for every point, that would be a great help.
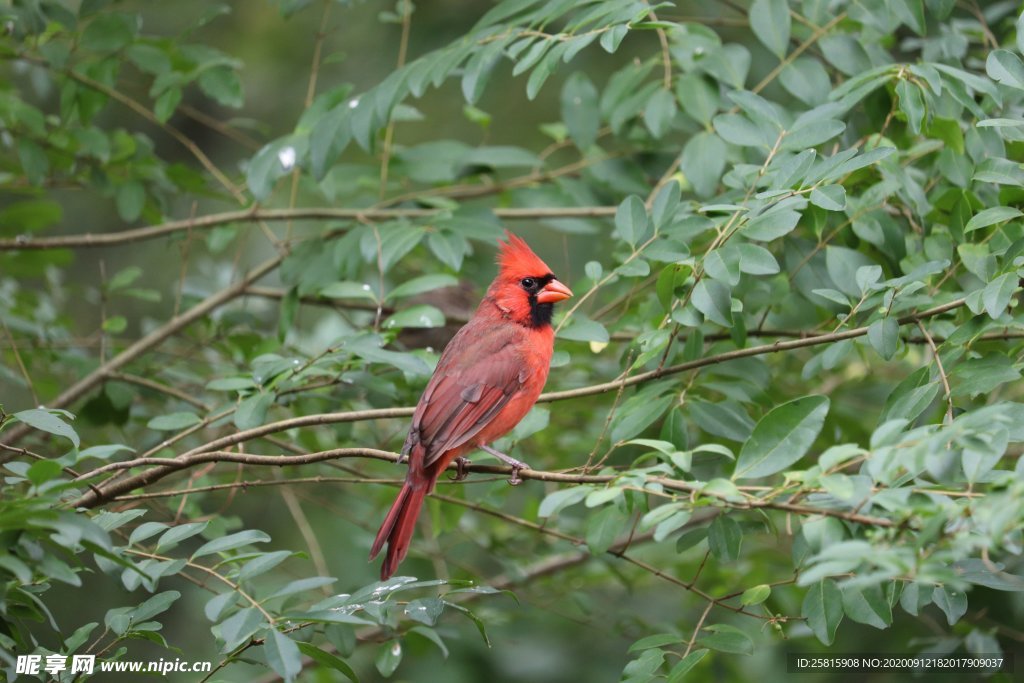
x: 528, y: 283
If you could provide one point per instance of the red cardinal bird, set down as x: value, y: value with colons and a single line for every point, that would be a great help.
x: 487, y: 379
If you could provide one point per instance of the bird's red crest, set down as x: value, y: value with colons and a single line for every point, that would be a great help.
x: 516, y: 259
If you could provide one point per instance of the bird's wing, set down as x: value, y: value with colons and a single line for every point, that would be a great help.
x: 476, y: 377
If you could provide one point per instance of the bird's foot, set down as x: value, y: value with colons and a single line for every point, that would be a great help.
x: 515, y: 480
x: 461, y: 471
x: 516, y: 465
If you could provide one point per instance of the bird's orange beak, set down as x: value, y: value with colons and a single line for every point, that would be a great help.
x: 552, y: 292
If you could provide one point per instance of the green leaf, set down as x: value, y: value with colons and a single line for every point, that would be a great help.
x: 823, y: 609
x: 124, y: 278
x: 884, y: 335
x: 725, y: 538
x: 811, y: 134
x: 631, y: 220
x: 580, y: 110
x: 703, y: 161
x: 657, y: 640
x: 643, y: 667
x: 663, y: 209
x: 115, y: 324
x: 149, y: 58
x: 727, y: 419
x: 179, y: 533
x: 771, y: 225
x: 349, y: 290
x: 109, y: 32
x: 30, y: 215
x: 478, y: 70
x: 915, y: 596
x: 698, y: 99
x: 582, y: 328
x: 231, y: 541
x: 544, y: 69
x: 34, y: 161
x: 231, y: 384
x: 947, y: 130
x: 739, y: 130
x: 782, y: 437
x: 756, y: 260
x: 240, y: 626
x: 166, y: 104
x: 252, y: 411
x: 389, y: 656
x: 725, y: 638
x: 47, y: 421
x: 272, y: 162
x: 997, y: 294
x: 756, y: 594
x: 771, y: 23
x: 714, y: 300
x: 806, y: 79
x: 660, y: 112
x: 562, y: 498
x: 174, y: 421
x: 612, y: 38
x: 991, y: 216
x: 911, y: 104
x: 42, y: 471
x: 1000, y: 171
x: 829, y: 197
x: 144, y: 531
x: 867, y: 606
x: 328, y: 660
x: 952, y: 602
x: 505, y: 156
x: 1005, y: 67
x: 262, y: 564
x: 130, y: 198
x: 415, y: 317
x: 451, y: 249
x: 604, y: 527
x: 104, y: 451
x: 153, y: 606
x: 282, y: 654
x: 981, y: 375
x: 223, y: 85
x: 679, y: 671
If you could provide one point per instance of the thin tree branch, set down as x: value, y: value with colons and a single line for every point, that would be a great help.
x: 389, y: 131
x: 811, y: 40
x: 21, y: 364
x: 254, y: 214
x: 212, y: 572
x: 158, y: 387
x: 253, y: 484
x: 164, y: 467
x: 942, y: 371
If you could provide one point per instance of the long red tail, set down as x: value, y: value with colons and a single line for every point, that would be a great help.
x: 398, y: 527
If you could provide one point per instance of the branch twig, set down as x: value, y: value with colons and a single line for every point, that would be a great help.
x: 254, y: 214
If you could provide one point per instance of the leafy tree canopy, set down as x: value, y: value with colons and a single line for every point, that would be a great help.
x: 784, y: 413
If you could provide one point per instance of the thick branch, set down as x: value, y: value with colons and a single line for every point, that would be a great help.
x: 164, y: 467
x: 254, y: 214
x: 127, y: 484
